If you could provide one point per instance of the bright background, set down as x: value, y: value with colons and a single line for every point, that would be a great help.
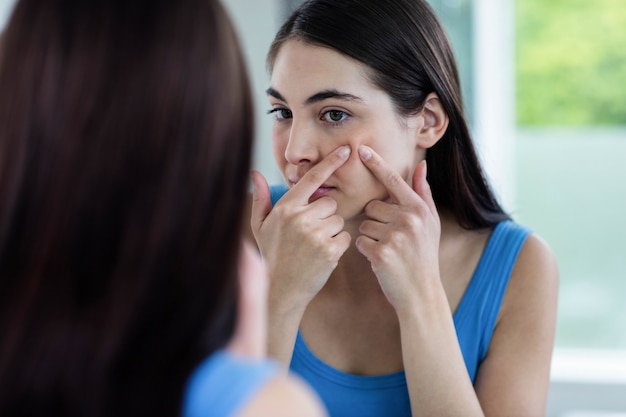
x: 571, y: 117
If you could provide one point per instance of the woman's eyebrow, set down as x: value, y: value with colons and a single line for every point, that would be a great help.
x: 331, y: 93
x: 322, y: 95
x: 272, y: 92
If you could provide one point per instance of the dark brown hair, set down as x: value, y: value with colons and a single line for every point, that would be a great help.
x: 125, y: 138
x: 409, y: 55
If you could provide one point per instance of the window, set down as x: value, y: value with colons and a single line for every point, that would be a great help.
x: 571, y: 133
x: 571, y: 73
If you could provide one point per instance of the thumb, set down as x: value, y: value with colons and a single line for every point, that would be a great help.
x: 261, y: 200
x: 421, y: 186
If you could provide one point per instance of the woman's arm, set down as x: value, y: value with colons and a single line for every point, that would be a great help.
x: 513, y: 379
x: 401, y: 240
x: 285, y: 394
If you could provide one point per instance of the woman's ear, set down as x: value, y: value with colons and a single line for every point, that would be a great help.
x: 434, y: 122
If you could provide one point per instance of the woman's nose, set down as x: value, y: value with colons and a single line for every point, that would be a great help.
x: 302, y: 146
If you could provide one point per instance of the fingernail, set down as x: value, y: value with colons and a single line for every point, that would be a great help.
x: 365, y: 152
x: 344, y: 152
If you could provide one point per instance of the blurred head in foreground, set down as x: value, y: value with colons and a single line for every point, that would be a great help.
x: 125, y: 137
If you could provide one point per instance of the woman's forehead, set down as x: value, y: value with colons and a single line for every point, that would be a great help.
x: 304, y: 69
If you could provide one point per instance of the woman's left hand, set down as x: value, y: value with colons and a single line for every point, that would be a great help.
x: 400, y: 238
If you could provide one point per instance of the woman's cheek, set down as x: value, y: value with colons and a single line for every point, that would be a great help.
x: 401, y: 160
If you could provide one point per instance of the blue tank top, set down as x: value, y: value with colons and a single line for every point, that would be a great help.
x: 223, y: 383
x: 348, y: 395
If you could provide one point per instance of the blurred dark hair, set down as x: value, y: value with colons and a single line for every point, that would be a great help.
x: 125, y: 139
x: 409, y: 55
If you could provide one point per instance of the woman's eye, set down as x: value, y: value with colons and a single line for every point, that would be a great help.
x: 334, y: 116
x: 281, y: 113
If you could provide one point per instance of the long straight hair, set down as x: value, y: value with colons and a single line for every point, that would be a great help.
x: 409, y: 55
x: 125, y: 138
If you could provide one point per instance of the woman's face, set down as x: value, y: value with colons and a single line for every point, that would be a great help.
x: 321, y: 100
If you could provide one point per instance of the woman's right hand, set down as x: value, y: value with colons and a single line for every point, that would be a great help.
x: 300, y: 242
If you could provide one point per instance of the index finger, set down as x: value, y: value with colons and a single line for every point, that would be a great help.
x: 316, y: 177
x: 393, y: 182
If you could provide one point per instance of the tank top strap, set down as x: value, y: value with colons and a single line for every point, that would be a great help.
x: 476, y: 315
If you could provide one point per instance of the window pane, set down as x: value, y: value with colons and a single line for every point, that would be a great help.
x: 571, y: 84
x: 571, y: 62
x: 571, y: 190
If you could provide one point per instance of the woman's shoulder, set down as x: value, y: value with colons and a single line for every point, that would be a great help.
x: 534, y: 281
x: 519, y: 354
x: 285, y: 395
x: 533, y: 263
x: 536, y: 269
x: 226, y: 384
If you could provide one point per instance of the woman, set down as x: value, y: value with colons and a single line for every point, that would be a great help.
x: 399, y: 286
x: 125, y: 137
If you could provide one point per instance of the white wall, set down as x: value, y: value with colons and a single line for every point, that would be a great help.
x: 5, y: 8
x: 257, y: 21
x: 587, y: 384
x: 494, y: 90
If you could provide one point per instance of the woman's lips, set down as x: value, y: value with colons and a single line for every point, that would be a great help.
x: 323, y: 190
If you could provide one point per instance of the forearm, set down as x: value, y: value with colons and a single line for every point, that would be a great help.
x: 283, y: 325
x: 437, y: 378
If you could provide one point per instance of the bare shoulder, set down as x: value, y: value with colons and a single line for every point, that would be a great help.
x: 533, y: 285
x: 531, y: 296
x: 514, y: 377
x: 537, y: 260
x: 284, y: 396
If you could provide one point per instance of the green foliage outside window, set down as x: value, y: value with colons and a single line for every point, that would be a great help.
x: 571, y: 62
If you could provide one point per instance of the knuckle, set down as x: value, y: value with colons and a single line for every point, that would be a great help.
x: 395, y: 239
x: 394, y: 179
x: 340, y: 222
x: 384, y: 254
x: 408, y: 221
x: 337, y: 246
x: 328, y: 252
x: 283, y: 211
x: 317, y: 238
x: 304, y: 223
x: 372, y: 207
